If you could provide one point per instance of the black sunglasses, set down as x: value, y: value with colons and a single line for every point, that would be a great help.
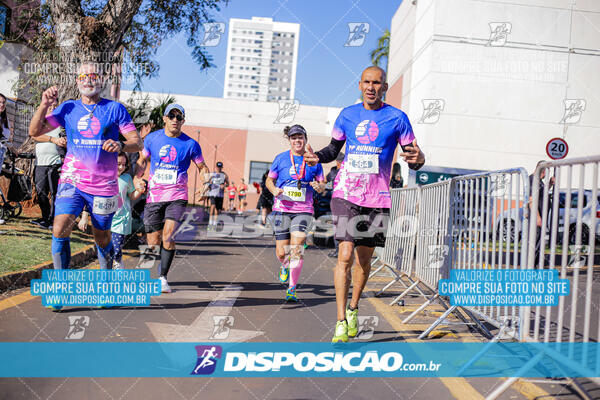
x: 175, y: 115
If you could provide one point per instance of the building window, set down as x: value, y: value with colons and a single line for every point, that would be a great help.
x: 257, y: 170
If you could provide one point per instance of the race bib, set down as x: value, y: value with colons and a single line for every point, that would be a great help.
x: 363, y: 163
x: 105, y: 205
x: 294, y: 194
x: 165, y: 176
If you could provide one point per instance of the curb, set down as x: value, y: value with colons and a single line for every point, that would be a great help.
x: 20, y: 279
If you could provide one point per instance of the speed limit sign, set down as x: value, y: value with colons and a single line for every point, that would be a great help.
x: 557, y: 148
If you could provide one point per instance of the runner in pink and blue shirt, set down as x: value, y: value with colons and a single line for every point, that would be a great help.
x: 371, y: 131
x: 170, y: 153
x: 293, y: 183
x: 89, y: 174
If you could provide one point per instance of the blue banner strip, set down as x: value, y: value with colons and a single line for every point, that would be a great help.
x: 298, y: 359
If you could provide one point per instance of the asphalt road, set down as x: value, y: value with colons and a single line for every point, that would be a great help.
x: 246, y: 268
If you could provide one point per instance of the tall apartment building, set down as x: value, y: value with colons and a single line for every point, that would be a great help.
x: 261, y: 59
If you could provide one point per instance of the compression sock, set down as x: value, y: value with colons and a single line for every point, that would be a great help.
x: 106, y: 255
x: 166, y: 258
x: 61, y: 252
x: 295, y: 269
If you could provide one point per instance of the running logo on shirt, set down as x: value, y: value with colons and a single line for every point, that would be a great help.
x: 167, y: 153
x: 88, y: 127
x: 367, y: 131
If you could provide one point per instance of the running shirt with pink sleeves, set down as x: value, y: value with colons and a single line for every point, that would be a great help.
x: 371, y: 138
x: 87, y: 166
x: 170, y: 159
x: 294, y: 199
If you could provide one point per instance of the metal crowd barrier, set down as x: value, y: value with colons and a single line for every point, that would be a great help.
x: 432, y: 240
x: 398, y: 254
x: 489, y: 222
x: 470, y: 222
x: 569, y: 222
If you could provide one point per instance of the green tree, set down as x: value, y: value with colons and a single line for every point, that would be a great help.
x: 123, y: 36
x: 382, y: 51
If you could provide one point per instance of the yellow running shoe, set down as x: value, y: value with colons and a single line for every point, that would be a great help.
x: 341, y: 332
x: 352, y: 318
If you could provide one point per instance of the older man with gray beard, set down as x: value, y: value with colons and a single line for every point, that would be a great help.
x: 89, y: 173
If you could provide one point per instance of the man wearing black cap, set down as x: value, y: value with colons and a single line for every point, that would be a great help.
x: 216, y: 191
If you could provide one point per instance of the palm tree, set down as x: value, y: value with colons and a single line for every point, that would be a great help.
x: 157, y: 112
x: 382, y: 51
x: 142, y: 114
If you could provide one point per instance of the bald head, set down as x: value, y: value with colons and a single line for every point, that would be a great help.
x: 374, y: 69
x: 373, y: 87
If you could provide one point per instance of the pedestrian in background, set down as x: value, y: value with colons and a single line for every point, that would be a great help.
x: 396, y: 182
x: 47, y: 171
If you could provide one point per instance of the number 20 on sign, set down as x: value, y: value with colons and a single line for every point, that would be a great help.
x: 557, y: 148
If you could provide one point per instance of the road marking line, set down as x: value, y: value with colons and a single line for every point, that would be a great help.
x: 15, y: 300
x: 21, y: 298
x: 530, y: 390
x: 460, y: 388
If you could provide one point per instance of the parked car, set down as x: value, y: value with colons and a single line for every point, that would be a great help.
x: 587, y: 216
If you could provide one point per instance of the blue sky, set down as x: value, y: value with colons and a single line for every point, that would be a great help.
x: 327, y: 73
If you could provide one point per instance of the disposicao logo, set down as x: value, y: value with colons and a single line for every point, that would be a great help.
x: 313, y: 362
x: 207, y: 359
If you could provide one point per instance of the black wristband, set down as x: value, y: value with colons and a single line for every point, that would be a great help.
x: 122, y: 143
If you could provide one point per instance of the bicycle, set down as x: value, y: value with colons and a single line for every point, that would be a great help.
x: 20, y: 185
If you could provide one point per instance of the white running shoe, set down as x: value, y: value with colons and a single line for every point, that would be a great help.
x: 164, y: 285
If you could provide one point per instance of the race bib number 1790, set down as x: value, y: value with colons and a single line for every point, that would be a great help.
x: 294, y: 194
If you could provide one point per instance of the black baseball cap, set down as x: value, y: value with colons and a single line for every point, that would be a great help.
x: 295, y: 130
x: 220, y: 164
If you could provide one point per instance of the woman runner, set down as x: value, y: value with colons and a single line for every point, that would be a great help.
x: 292, y: 183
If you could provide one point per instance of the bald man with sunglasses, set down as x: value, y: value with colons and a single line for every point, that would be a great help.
x: 170, y: 153
x: 89, y: 174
